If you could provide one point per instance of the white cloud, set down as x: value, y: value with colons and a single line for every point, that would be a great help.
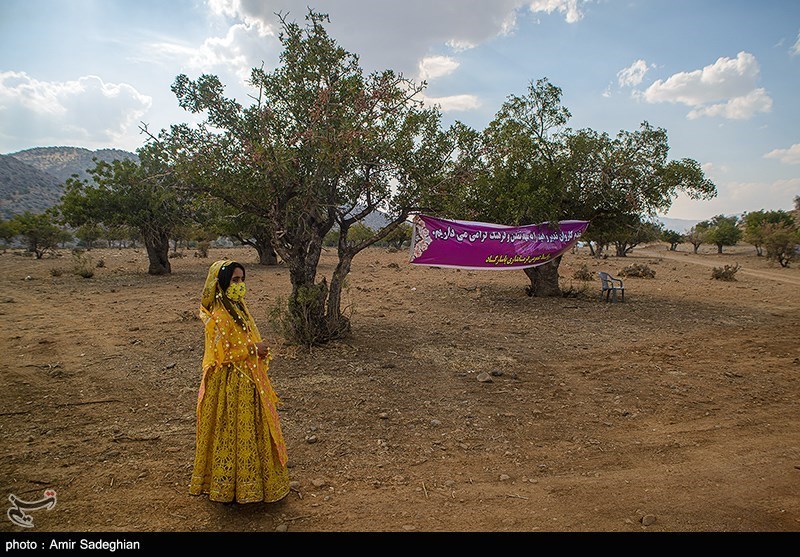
x: 567, y: 7
x: 436, y: 66
x: 786, y: 156
x: 738, y: 108
x: 734, y: 198
x: 86, y: 111
x: 795, y: 47
x: 726, y: 88
x: 633, y: 74
x: 394, y: 35
x: 454, y: 103
x: 243, y: 47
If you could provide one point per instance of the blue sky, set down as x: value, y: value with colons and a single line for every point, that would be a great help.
x: 721, y: 76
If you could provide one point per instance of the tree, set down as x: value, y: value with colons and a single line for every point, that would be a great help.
x: 322, y: 146
x: 39, y: 231
x: 781, y: 241
x: 632, y: 231
x: 141, y: 194
x: 723, y: 231
x: 8, y: 231
x: 89, y: 233
x: 754, y: 225
x: 673, y: 238
x: 400, y: 236
x: 537, y: 170
x: 697, y: 234
x: 251, y: 230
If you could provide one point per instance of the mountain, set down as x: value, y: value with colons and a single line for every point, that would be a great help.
x: 33, y: 179
x: 26, y: 188
x: 63, y: 162
x: 681, y: 226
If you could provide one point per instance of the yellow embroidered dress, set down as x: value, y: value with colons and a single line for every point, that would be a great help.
x: 240, y: 453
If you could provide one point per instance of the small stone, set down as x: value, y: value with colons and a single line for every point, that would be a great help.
x: 282, y: 528
x: 504, y: 477
x: 294, y: 485
x: 496, y: 373
x: 484, y: 377
x: 383, y: 416
x: 318, y: 482
x: 435, y: 423
x: 311, y: 439
x: 170, y: 365
x: 648, y: 519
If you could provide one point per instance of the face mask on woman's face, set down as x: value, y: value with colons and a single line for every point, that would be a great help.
x: 236, y: 291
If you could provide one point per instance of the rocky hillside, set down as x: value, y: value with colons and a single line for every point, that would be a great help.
x: 63, y: 162
x: 25, y: 188
x: 33, y: 179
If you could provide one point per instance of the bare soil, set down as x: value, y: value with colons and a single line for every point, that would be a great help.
x: 675, y: 411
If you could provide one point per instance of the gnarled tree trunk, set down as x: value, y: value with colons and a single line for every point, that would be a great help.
x: 544, y: 279
x: 157, y: 244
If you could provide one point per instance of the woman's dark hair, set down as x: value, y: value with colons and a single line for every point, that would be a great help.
x: 226, y: 274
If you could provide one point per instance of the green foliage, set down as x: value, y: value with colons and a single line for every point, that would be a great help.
x: 323, y: 146
x: 89, y: 233
x: 673, y: 238
x: 398, y: 237
x: 359, y: 233
x: 697, y: 235
x: 8, y: 230
x: 531, y: 168
x: 723, y: 231
x: 39, y: 231
x: 755, y: 226
x: 143, y: 194
x: 781, y: 241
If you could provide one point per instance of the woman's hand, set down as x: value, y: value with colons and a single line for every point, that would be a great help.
x: 262, y: 349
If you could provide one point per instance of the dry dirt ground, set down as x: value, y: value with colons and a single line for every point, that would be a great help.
x: 675, y: 411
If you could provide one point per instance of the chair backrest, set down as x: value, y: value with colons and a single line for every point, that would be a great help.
x: 604, y: 278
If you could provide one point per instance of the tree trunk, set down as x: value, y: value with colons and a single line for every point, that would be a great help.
x: 338, y: 324
x: 544, y: 279
x: 306, y: 311
x: 157, y: 245
x: 719, y: 248
x: 266, y: 255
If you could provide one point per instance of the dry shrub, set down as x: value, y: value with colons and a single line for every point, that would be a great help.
x: 573, y: 291
x: 82, y: 264
x: 637, y: 270
x: 583, y: 273
x: 728, y: 272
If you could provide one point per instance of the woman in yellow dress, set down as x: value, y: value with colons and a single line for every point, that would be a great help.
x: 240, y: 453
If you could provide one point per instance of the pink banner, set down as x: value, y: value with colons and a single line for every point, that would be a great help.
x: 480, y: 245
